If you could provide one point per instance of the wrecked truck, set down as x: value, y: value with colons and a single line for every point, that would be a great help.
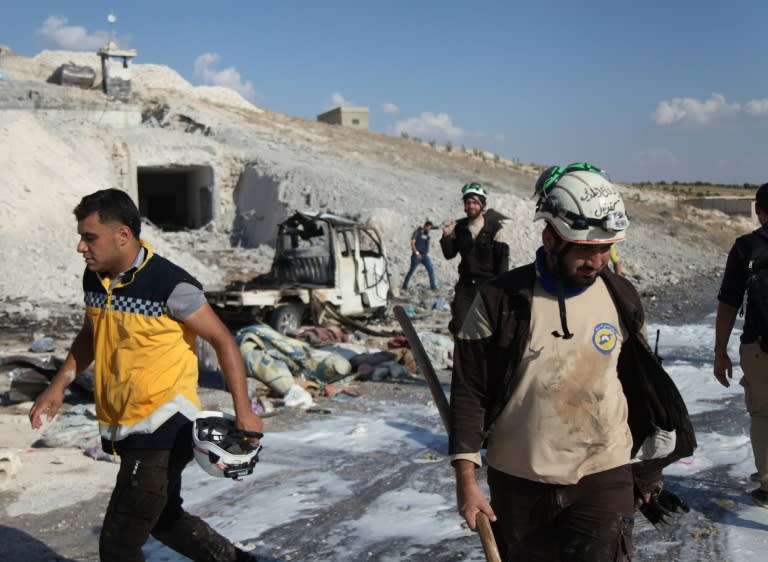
x: 323, y: 263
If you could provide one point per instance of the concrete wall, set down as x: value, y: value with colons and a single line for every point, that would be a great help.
x: 259, y: 209
x: 356, y: 117
x: 64, y: 104
x: 113, y: 118
x: 332, y: 117
x: 730, y: 205
x: 202, y: 195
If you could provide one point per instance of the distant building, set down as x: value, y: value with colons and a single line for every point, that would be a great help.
x: 355, y: 117
x: 116, y: 71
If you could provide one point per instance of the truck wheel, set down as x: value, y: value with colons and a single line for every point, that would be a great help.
x: 287, y: 317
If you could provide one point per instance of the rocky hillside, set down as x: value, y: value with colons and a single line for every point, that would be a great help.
x: 58, y: 147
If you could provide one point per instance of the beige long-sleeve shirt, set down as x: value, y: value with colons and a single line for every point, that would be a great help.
x: 568, y: 415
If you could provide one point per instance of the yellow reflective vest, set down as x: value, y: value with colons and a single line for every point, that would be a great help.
x: 145, y: 365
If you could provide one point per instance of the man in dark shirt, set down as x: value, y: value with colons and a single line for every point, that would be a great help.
x: 753, y: 352
x: 420, y: 255
x: 480, y: 242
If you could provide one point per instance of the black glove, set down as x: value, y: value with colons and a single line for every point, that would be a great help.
x: 661, y: 508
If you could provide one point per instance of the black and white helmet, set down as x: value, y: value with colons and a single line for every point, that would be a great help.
x: 221, y: 449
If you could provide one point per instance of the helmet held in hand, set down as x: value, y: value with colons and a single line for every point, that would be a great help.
x: 221, y: 449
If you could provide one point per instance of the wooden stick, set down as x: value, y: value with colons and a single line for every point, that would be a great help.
x: 487, y: 538
x: 425, y: 366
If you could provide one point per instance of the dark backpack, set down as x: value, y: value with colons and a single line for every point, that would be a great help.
x: 757, y: 286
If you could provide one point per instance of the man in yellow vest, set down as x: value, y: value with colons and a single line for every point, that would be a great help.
x: 143, y: 314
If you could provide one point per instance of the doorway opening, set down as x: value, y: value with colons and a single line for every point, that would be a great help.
x: 176, y: 197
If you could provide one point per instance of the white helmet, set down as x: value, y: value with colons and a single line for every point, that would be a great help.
x: 581, y: 204
x: 474, y: 188
x: 221, y: 449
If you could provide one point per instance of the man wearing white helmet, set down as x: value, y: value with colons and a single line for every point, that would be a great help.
x: 479, y: 240
x: 553, y: 374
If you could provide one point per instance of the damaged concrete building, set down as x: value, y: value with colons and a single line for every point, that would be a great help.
x: 171, y: 174
x: 183, y: 166
x: 204, y: 158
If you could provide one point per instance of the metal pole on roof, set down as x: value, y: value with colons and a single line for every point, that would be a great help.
x: 111, y: 18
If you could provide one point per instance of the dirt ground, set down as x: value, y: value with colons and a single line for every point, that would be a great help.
x: 73, y: 489
x: 70, y: 490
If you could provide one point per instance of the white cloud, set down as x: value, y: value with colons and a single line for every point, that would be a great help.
x: 337, y: 100
x: 390, y: 108
x: 429, y: 126
x: 757, y: 107
x: 693, y: 111
x: 57, y: 33
x: 205, y: 70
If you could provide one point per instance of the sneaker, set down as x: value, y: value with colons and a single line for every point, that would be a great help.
x: 760, y: 497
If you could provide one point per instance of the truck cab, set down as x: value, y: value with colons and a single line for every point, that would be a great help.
x: 321, y: 260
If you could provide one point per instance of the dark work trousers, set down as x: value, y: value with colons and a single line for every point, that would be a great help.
x: 147, y: 500
x: 589, y: 521
x: 463, y: 296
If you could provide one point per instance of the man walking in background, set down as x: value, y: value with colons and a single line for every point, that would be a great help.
x: 552, y: 370
x: 744, y: 269
x: 479, y: 240
x: 420, y: 255
x: 142, y: 316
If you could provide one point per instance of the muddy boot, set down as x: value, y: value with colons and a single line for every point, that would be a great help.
x: 243, y: 556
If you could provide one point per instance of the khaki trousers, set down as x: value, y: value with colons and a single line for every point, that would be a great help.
x: 754, y: 364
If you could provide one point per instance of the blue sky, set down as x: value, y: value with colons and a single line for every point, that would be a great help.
x: 649, y: 90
